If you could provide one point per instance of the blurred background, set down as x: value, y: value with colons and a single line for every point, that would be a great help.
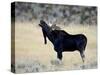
x: 59, y: 14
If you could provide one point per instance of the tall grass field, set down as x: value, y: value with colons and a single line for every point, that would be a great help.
x: 32, y: 55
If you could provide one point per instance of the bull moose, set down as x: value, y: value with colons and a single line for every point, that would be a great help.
x: 63, y: 41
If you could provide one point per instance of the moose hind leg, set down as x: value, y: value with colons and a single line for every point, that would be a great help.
x: 82, y: 56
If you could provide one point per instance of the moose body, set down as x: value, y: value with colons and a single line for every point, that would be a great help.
x: 64, y: 42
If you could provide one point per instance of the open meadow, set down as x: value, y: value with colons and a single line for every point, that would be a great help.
x: 32, y: 55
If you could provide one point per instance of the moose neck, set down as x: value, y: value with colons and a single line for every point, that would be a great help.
x: 48, y: 33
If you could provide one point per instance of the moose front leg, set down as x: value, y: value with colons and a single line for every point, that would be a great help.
x: 59, y: 55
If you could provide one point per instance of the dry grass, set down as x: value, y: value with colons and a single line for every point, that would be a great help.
x: 33, y: 56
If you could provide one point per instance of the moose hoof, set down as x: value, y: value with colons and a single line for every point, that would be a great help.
x: 56, y: 62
